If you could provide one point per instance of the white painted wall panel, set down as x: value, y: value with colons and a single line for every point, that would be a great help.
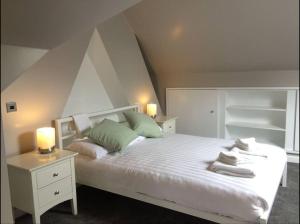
x: 106, y: 71
x: 41, y: 93
x: 15, y: 60
x: 6, y: 209
x: 88, y: 93
x: 196, y: 111
x: 297, y: 124
x: 123, y: 50
x: 290, y: 120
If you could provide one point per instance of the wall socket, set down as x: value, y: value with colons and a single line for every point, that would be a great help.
x: 11, y: 107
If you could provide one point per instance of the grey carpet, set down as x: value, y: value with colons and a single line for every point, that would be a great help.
x: 100, y: 207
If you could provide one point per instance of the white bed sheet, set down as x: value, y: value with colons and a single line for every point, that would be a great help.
x: 174, y: 168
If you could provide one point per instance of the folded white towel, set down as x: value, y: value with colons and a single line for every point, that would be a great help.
x: 232, y: 155
x: 253, y: 152
x: 246, y: 144
x: 233, y: 158
x: 82, y: 123
x: 235, y: 174
x: 239, y: 171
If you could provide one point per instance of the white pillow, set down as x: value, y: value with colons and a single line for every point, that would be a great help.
x: 87, y: 148
x: 137, y: 140
x: 82, y: 123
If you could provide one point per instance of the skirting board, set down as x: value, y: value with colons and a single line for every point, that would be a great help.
x: 293, y: 158
x: 18, y: 213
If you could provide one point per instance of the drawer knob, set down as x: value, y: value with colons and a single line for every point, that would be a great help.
x: 212, y: 111
x: 55, y: 174
x: 170, y: 126
x: 56, y: 192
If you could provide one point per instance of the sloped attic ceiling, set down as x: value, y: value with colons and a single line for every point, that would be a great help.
x: 195, y: 36
x: 48, y: 23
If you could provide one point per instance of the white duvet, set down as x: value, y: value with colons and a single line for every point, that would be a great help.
x: 174, y: 168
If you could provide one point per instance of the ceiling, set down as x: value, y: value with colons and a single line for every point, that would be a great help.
x: 195, y: 36
x: 48, y: 23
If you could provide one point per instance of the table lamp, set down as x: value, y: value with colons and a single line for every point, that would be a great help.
x: 45, y: 139
x: 152, y: 110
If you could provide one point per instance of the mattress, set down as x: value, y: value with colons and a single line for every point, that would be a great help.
x: 175, y: 169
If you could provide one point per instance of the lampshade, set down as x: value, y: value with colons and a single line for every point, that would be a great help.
x: 152, y: 110
x: 45, y: 139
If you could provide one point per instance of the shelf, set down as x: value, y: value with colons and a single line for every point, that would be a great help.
x: 241, y: 107
x: 292, y: 152
x: 256, y: 126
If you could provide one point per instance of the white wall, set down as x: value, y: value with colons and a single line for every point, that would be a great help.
x: 297, y: 124
x: 125, y: 54
x: 277, y: 78
x: 87, y: 94
x: 41, y: 92
x: 82, y: 75
x: 106, y: 71
x: 201, y: 36
x: 16, y: 60
x: 6, y: 211
x: 214, y: 43
x: 47, y: 24
x: 49, y: 84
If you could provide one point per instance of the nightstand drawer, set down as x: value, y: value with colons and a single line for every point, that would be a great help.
x: 53, y: 173
x: 54, y: 191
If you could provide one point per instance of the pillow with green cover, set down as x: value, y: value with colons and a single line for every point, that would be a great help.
x: 112, y: 135
x: 125, y: 123
x: 142, y: 124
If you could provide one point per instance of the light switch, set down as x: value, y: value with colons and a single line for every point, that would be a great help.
x: 11, y: 107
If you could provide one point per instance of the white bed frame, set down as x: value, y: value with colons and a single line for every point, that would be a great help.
x: 65, y: 131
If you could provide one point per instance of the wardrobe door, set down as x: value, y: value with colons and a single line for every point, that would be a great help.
x: 196, y: 111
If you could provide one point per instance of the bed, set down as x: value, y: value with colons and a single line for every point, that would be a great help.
x: 172, y: 172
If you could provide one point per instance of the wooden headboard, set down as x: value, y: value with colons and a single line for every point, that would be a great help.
x: 65, y: 127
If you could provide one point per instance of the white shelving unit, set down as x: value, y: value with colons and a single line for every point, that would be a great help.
x: 270, y: 114
x: 243, y: 107
x: 262, y: 114
x: 255, y: 126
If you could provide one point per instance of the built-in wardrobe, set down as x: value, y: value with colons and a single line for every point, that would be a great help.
x: 271, y: 115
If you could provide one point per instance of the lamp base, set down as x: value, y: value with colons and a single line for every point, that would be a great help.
x: 46, y: 151
x: 153, y: 116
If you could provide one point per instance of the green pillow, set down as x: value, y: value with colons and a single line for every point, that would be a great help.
x: 125, y: 123
x: 112, y: 135
x: 142, y: 124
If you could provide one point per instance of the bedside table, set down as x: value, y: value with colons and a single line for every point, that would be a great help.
x: 168, y: 124
x: 40, y: 181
